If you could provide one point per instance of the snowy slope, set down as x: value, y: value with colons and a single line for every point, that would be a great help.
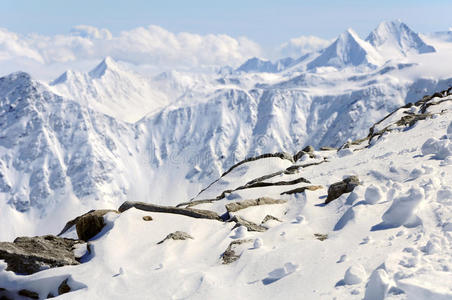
x: 111, y: 89
x: 395, y: 38
x: 388, y: 239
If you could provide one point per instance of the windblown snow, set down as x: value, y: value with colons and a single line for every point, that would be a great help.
x: 227, y: 144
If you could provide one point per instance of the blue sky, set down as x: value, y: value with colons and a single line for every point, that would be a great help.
x: 267, y: 22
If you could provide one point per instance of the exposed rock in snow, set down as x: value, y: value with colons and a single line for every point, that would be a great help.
x: 28, y: 255
x: 177, y: 236
x: 347, y: 185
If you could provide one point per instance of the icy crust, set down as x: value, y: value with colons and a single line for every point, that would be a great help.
x: 388, y: 239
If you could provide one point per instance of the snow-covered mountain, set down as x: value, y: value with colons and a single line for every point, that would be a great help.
x: 113, y: 90
x: 260, y: 65
x: 395, y: 38
x: 347, y: 50
x: 371, y: 220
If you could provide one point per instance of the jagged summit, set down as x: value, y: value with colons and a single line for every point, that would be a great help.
x: 393, y: 38
x: 347, y: 50
x: 106, y: 64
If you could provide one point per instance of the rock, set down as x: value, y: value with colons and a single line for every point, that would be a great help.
x: 326, y: 148
x: 236, y: 206
x: 28, y: 294
x: 230, y: 255
x: 94, y: 217
x: 268, y: 218
x: 189, y: 212
x: 345, y: 186
x: 302, y: 189
x: 177, y: 235
x: 28, y: 255
x: 250, y: 226
x: 321, y: 236
x: 90, y: 224
x: 355, y: 274
x: 308, y: 149
x: 64, y: 287
x: 147, y: 218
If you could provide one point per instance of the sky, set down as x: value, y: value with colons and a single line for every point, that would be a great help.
x: 268, y: 23
x: 47, y: 37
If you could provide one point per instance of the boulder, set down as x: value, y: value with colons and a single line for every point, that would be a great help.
x: 177, y: 236
x: 88, y: 225
x: 147, y: 218
x: 28, y: 294
x: 28, y: 255
x: 345, y: 186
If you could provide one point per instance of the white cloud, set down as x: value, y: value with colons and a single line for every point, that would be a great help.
x: 299, y: 46
x: 143, y: 45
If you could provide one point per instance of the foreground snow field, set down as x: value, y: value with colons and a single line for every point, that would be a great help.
x: 390, y: 238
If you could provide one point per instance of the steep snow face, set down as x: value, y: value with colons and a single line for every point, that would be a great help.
x: 57, y: 156
x: 347, y: 50
x: 395, y: 38
x: 111, y: 89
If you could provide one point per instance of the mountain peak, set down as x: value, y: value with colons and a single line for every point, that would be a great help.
x: 106, y: 64
x: 396, y: 38
x: 347, y: 50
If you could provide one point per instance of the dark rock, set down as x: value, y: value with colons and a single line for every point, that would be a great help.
x: 28, y: 294
x: 177, y: 236
x: 236, y: 206
x: 268, y: 218
x: 28, y: 255
x: 90, y: 224
x: 308, y: 149
x: 326, y: 148
x: 302, y: 189
x: 320, y: 236
x: 345, y: 186
x: 93, y: 218
x: 189, y: 212
x: 230, y: 255
x: 147, y: 218
x: 64, y: 287
x: 250, y: 226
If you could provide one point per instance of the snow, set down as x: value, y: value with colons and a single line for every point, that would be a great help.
x: 355, y: 274
x: 93, y: 140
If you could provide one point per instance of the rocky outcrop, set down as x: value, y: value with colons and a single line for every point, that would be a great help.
x: 231, y: 255
x: 236, y: 206
x: 28, y: 294
x: 88, y: 225
x: 189, y: 212
x: 177, y: 236
x: 268, y: 218
x: 250, y: 226
x: 345, y: 186
x: 308, y: 150
x: 147, y: 218
x: 28, y: 255
x: 302, y: 189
